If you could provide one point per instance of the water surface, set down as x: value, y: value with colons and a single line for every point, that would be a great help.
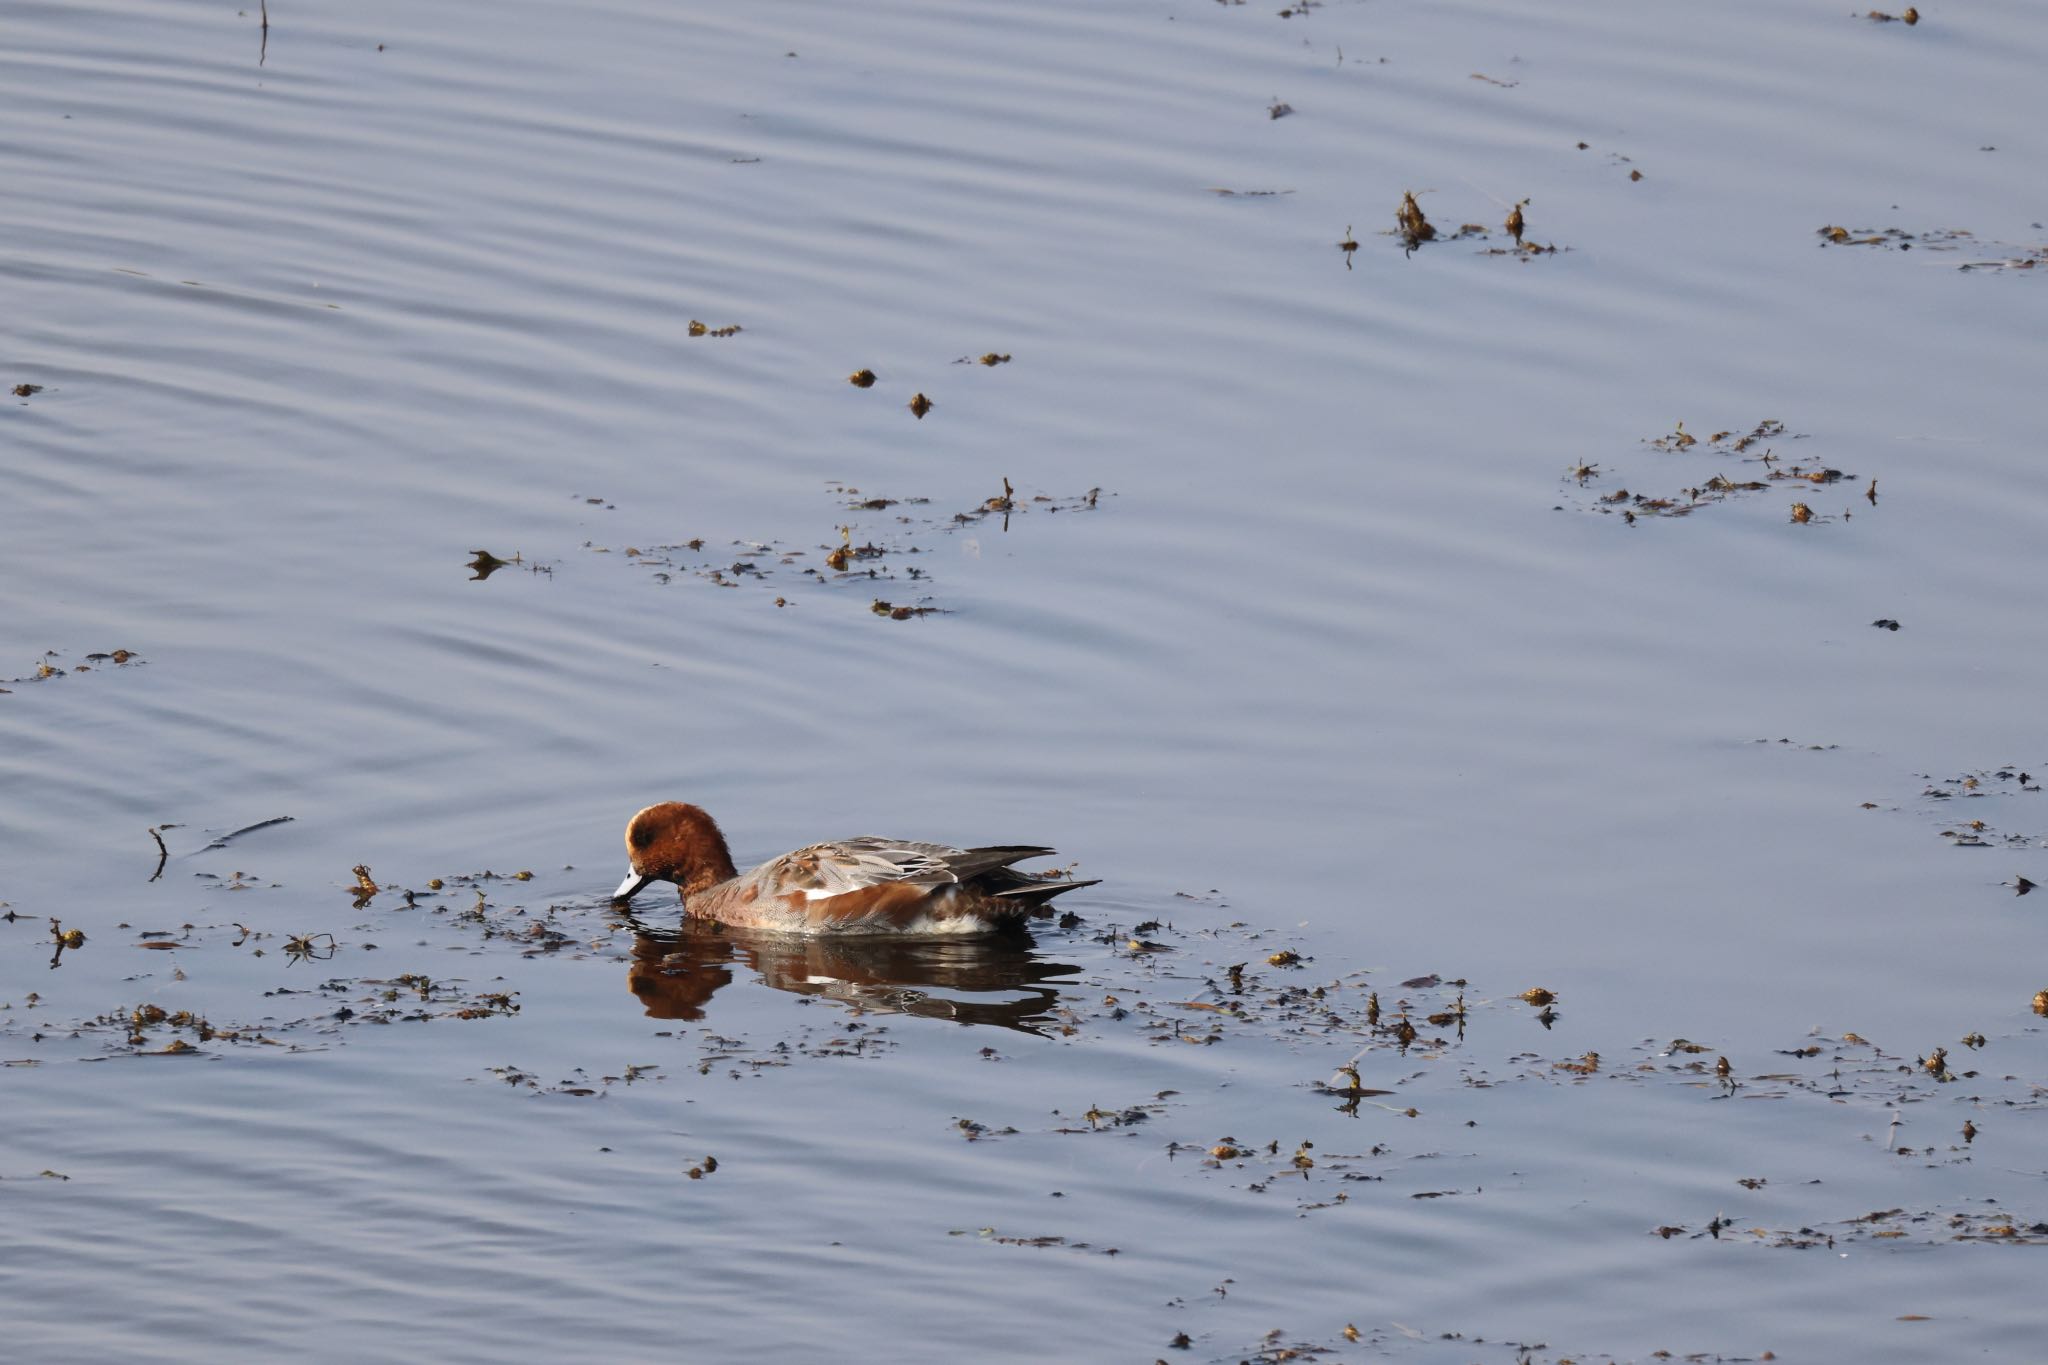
x: 1340, y: 662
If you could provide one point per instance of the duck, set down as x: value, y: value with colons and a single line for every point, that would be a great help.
x: 863, y: 885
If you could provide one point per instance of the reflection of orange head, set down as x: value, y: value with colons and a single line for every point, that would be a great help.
x: 675, y: 995
x: 678, y: 984
x: 997, y: 981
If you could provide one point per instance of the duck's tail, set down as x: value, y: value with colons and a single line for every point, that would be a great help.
x: 989, y: 871
x: 1033, y: 891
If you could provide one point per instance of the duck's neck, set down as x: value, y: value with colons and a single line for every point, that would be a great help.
x: 706, y: 858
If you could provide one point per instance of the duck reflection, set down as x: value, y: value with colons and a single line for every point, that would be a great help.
x: 1000, y: 981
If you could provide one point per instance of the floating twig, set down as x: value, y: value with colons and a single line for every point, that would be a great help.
x: 222, y: 842
x: 163, y: 853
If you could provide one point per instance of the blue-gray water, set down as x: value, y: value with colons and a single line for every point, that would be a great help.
x: 1339, y: 662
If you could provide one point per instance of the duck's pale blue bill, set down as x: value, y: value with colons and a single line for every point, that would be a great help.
x: 631, y: 887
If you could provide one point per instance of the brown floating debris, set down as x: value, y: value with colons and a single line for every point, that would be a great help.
x: 485, y: 564
x: 919, y: 406
x: 308, y: 947
x: 1414, y: 228
x: 1719, y: 486
x: 1898, y: 239
x: 1539, y: 995
x: 2041, y: 1002
x: 1279, y: 109
x: 1514, y: 223
x: 27, y: 390
x: 1635, y: 175
x: 862, y: 379
x: 1801, y: 513
x: 698, y: 329
x: 902, y: 558
x: 1348, y: 245
x: 846, y: 552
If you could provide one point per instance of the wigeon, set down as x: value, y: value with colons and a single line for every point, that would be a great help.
x: 863, y: 885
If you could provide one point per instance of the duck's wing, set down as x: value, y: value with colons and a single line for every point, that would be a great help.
x: 847, y: 865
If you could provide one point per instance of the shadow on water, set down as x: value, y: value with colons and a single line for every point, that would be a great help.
x: 1000, y: 981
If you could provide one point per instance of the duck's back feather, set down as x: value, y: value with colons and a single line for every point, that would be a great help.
x: 844, y: 866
